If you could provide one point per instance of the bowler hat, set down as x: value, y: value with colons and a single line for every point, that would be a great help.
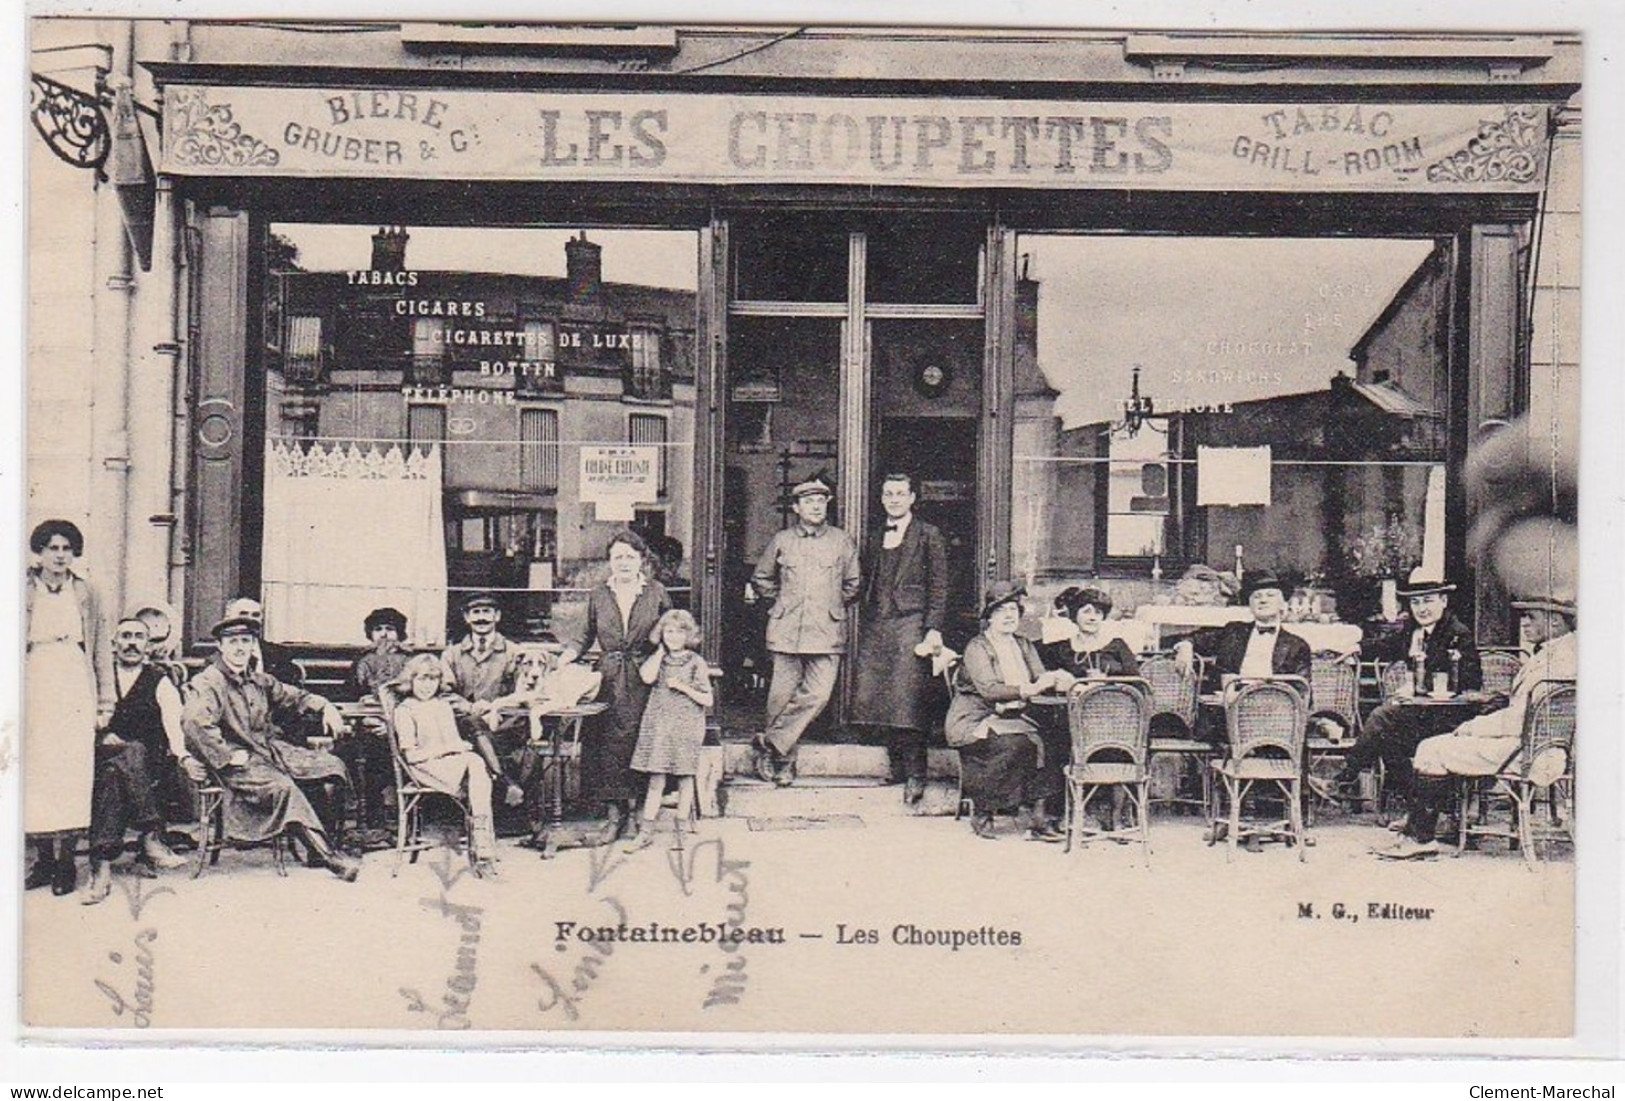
x: 1423, y: 581
x: 1260, y: 579
x: 236, y: 625
x: 1002, y: 592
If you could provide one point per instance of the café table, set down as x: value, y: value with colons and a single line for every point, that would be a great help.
x: 361, y: 717
x: 556, y: 738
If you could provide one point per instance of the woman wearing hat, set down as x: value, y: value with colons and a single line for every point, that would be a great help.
x: 1090, y: 652
x: 70, y: 697
x: 1000, y: 751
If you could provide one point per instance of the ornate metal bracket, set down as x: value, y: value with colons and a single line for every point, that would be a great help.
x: 71, y: 122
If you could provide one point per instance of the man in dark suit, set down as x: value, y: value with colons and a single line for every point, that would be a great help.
x: 1262, y: 648
x: 1439, y: 643
x: 904, y: 603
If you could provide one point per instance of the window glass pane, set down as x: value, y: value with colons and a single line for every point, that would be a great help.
x: 514, y: 351
x: 925, y: 260
x: 790, y: 258
x: 1330, y: 354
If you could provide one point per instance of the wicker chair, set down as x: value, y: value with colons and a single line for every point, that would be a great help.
x: 1500, y: 669
x: 1174, y: 694
x: 409, y: 797
x: 1334, y: 693
x: 1544, y: 762
x: 212, y: 837
x: 1265, y: 721
x: 1110, y: 723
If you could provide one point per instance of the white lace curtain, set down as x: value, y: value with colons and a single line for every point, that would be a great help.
x: 349, y: 529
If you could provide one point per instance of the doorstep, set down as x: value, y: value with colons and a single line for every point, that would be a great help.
x: 839, y: 762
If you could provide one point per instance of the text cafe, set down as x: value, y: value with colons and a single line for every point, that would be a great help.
x: 455, y: 304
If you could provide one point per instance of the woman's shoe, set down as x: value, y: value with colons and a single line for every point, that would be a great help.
x: 637, y: 842
x: 65, y: 877
x: 485, y: 868
x: 40, y: 874
x: 982, y: 826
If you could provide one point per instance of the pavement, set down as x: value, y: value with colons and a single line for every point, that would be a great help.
x: 887, y: 921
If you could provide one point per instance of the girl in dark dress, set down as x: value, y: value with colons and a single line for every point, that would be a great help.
x: 1090, y: 652
x: 621, y: 615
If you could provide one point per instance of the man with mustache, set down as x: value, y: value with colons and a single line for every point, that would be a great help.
x: 139, y: 757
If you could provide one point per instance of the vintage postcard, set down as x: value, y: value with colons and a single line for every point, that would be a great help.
x: 697, y: 529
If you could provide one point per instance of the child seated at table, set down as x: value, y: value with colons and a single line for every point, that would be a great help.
x: 435, y: 755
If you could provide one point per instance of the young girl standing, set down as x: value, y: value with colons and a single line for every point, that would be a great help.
x: 673, y: 727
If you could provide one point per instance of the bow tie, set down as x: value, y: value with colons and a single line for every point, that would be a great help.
x: 1265, y: 630
x: 894, y: 525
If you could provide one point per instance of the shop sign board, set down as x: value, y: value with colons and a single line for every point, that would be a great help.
x: 887, y: 140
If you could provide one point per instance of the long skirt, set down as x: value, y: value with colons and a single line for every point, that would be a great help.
x: 609, y: 739
x: 1000, y: 772
x: 59, y: 755
x: 892, y: 681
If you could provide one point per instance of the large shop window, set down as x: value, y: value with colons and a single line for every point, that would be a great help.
x: 457, y: 409
x: 1191, y: 404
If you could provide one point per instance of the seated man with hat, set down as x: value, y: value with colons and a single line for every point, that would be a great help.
x: 325, y: 775
x: 227, y: 723
x: 811, y: 574
x: 385, y: 628
x: 480, y: 670
x: 1484, y: 745
x: 1438, y: 643
x: 1262, y: 648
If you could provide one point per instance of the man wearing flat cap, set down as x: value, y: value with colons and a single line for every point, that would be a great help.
x: 480, y: 670
x: 227, y: 723
x: 1438, y: 643
x: 810, y: 573
x: 1484, y: 745
x: 1262, y: 648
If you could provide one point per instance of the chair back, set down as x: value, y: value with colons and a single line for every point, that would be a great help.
x: 1110, y: 715
x: 1173, y: 690
x: 1548, y: 726
x: 1396, y: 679
x: 1267, y: 714
x: 387, y: 704
x: 1334, y: 687
x: 1500, y: 668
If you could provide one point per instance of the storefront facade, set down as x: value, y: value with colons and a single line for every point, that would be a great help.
x: 863, y: 206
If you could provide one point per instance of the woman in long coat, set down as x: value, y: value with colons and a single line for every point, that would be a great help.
x: 621, y: 616
x: 69, y: 680
x: 1002, y: 758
